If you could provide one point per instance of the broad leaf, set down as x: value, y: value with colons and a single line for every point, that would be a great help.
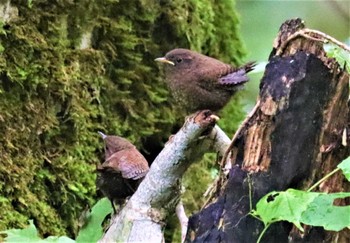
x: 30, y: 234
x: 341, y: 55
x: 322, y: 212
x: 309, y: 208
x: 92, y: 230
x: 288, y: 205
x: 345, y: 167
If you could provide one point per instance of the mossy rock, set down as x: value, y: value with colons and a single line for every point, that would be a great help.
x: 71, y: 68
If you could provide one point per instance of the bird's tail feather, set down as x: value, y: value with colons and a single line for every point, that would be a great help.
x: 248, y: 66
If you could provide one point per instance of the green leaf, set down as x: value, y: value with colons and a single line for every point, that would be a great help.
x: 341, y: 55
x: 58, y: 239
x: 309, y: 208
x: 322, y: 212
x: 30, y: 234
x: 288, y: 206
x: 92, y: 229
x: 345, y: 167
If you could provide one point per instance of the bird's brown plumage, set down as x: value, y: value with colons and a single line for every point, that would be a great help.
x: 199, y: 82
x: 123, y: 169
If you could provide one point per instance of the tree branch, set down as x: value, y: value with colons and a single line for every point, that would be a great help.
x: 144, y: 214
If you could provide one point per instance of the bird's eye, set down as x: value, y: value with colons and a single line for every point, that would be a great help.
x: 178, y: 60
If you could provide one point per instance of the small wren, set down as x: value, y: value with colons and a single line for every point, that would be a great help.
x: 122, y: 171
x: 198, y: 82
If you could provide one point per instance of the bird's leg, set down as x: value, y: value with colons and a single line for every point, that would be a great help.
x: 129, y: 186
x: 119, y: 203
x: 114, y: 210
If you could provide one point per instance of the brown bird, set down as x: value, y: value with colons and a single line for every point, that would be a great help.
x: 198, y: 82
x: 122, y: 171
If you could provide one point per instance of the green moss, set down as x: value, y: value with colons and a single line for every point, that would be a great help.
x: 54, y: 97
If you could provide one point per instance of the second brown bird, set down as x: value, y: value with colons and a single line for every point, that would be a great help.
x: 198, y: 82
x: 122, y: 171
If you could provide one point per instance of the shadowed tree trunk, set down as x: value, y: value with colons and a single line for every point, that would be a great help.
x: 293, y: 139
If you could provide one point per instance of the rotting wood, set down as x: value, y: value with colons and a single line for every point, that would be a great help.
x: 296, y: 129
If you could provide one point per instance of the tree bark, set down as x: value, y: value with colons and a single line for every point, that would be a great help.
x: 292, y: 140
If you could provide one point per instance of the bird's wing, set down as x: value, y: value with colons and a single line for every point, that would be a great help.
x: 130, y: 163
x: 111, y: 164
x: 224, y: 77
x: 236, y: 76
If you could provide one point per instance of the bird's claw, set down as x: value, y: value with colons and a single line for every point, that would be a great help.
x: 205, y: 118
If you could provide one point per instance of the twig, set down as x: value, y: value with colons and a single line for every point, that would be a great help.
x: 323, y: 179
x: 263, y: 232
x: 183, y: 219
x: 321, y: 37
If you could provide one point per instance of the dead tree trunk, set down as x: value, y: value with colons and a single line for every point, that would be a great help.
x: 293, y: 139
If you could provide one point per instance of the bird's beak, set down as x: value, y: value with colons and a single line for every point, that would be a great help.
x: 164, y: 60
x: 102, y: 134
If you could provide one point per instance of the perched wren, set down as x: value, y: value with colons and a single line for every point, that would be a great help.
x: 122, y: 171
x: 198, y: 82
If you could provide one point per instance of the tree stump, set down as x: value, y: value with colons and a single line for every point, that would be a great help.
x: 292, y: 140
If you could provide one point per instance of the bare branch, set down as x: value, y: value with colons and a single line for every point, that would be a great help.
x: 183, y: 219
x: 144, y: 215
x: 314, y: 35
